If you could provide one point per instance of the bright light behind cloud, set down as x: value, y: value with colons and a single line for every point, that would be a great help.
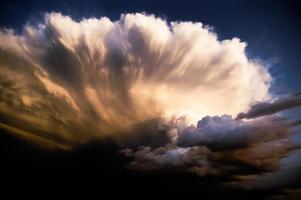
x: 68, y: 82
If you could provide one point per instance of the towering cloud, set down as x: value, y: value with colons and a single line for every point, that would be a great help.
x: 65, y: 82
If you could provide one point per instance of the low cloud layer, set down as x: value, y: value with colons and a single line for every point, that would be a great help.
x: 225, y: 132
x: 66, y: 82
x: 220, y: 145
x: 246, y: 153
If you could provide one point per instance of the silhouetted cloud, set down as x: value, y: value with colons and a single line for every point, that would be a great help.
x: 225, y: 132
x: 266, y: 108
x: 220, y: 146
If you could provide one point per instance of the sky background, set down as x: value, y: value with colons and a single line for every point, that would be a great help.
x: 272, y: 29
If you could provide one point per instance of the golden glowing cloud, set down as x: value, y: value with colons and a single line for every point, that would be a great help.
x: 70, y: 82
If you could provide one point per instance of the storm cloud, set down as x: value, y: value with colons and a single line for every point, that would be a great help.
x: 246, y: 153
x: 221, y: 142
x: 171, y: 95
x: 67, y: 82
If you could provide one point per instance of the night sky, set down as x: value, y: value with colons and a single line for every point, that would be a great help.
x: 78, y: 121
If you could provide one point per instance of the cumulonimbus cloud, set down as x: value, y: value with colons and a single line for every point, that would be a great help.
x: 65, y: 82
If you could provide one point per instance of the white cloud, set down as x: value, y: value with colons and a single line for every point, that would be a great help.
x: 114, y: 74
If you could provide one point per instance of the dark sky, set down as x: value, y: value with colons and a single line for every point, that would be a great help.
x: 272, y: 29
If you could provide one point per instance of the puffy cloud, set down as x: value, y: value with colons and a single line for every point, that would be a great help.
x: 81, y: 80
x: 195, y: 159
x: 265, y: 108
x: 238, y: 150
x: 225, y: 132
